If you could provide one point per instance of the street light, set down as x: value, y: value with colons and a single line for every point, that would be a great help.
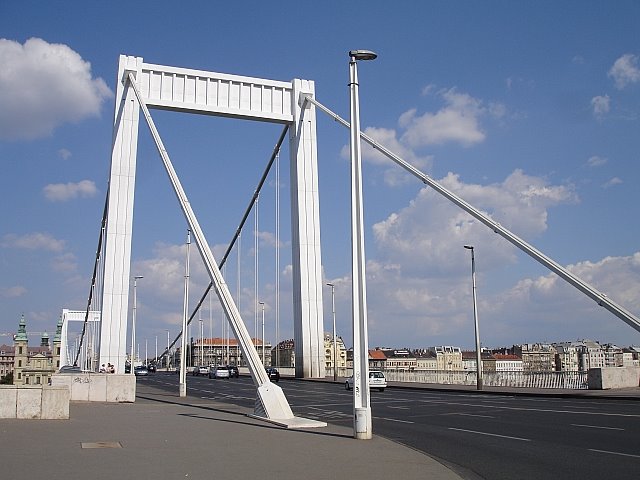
x: 133, y: 322
x: 475, y: 317
x: 262, y: 303
x: 335, y: 342
x: 185, y: 313
x: 361, y: 400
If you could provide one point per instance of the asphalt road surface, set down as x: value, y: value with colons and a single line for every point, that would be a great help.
x: 477, y: 435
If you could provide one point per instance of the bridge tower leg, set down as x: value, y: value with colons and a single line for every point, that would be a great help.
x: 117, y: 258
x: 305, y: 237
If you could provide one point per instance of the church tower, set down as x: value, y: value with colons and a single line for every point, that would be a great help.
x: 20, y: 341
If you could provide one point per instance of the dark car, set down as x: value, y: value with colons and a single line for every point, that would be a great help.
x: 140, y: 370
x: 151, y: 367
x: 273, y: 373
x: 233, y: 371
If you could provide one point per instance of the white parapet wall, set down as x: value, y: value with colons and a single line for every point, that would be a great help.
x: 34, y: 402
x: 97, y: 387
x: 613, y: 377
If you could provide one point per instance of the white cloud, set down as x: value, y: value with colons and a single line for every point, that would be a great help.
x: 44, y: 85
x: 610, y: 183
x: 64, y: 263
x: 13, y: 292
x: 64, y: 154
x: 457, y: 121
x: 33, y: 241
x: 600, y: 105
x: 61, y: 192
x: 430, y: 231
x: 596, y: 161
x: 558, y: 309
x: 625, y: 70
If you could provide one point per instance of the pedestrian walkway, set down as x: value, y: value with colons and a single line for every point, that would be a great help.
x: 163, y: 436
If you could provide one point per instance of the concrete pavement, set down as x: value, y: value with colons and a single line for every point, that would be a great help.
x: 162, y: 436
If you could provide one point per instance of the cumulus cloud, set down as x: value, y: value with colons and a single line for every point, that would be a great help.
x: 600, y: 105
x: 44, y: 85
x: 428, y: 233
x: 13, y: 292
x: 458, y: 122
x: 64, y: 154
x: 559, y: 308
x: 33, y: 241
x: 625, y: 70
x: 596, y: 161
x: 61, y: 192
x: 610, y: 183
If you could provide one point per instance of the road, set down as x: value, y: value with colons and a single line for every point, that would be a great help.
x: 477, y: 435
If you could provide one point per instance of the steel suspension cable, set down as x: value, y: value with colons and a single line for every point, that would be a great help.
x: 96, y: 264
x: 247, y: 212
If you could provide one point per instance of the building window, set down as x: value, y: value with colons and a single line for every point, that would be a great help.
x: 19, y: 363
x: 19, y: 350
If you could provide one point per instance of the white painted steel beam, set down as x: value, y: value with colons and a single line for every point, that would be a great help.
x: 197, y: 91
x: 115, y: 297
x: 305, y: 239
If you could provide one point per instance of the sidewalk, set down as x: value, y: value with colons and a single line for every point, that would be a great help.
x: 162, y: 436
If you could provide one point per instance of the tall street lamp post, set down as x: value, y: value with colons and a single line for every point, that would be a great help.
x: 475, y: 318
x: 262, y: 304
x: 335, y: 341
x: 361, y: 394
x: 133, y: 322
x: 185, y: 314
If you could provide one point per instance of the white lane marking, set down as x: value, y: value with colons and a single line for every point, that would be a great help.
x: 547, y: 410
x: 393, y: 420
x: 400, y: 408
x: 596, y: 426
x: 614, y: 453
x: 469, y: 415
x: 490, y: 434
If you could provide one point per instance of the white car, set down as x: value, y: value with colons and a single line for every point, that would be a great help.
x: 219, y: 372
x: 376, y: 380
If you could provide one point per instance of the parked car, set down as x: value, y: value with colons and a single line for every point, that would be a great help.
x: 219, y: 372
x: 192, y: 370
x: 273, y: 373
x: 140, y: 370
x: 376, y: 380
x: 233, y: 371
x: 203, y: 370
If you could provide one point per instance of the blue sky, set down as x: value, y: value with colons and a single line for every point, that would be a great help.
x: 529, y: 111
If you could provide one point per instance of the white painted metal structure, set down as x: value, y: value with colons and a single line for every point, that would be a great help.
x: 67, y: 357
x: 195, y: 91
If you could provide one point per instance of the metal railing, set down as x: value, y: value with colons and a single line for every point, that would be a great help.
x: 518, y: 379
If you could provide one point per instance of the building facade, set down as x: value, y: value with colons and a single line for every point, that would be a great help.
x: 35, y: 365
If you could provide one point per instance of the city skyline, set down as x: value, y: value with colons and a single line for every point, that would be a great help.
x: 531, y: 120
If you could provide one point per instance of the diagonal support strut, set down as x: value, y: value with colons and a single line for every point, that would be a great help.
x: 599, y: 297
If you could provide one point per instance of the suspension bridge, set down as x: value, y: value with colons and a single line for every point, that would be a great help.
x: 143, y: 87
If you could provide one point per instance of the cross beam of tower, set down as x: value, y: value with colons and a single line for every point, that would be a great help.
x: 575, y: 281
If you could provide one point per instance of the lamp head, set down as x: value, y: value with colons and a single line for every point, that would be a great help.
x: 363, y: 55
x: 469, y: 247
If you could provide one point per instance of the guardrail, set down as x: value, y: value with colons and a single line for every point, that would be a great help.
x: 568, y: 380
